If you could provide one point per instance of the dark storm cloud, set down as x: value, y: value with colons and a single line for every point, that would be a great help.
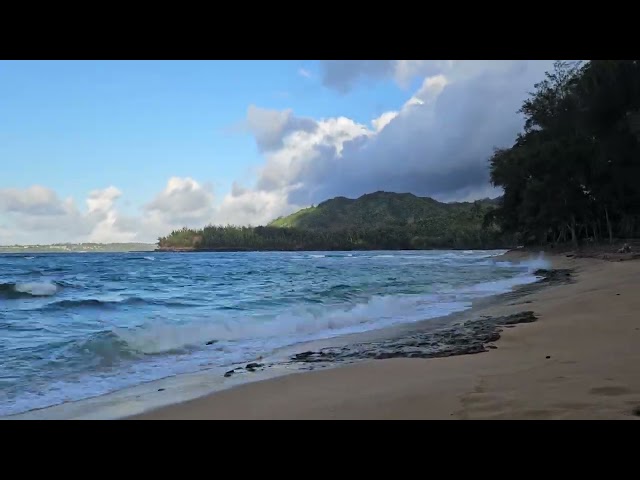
x: 439, y: 149
x: 270, y: 127
x: 342, y: 75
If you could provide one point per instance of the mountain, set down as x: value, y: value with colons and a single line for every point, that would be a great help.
x: 387, y: 210
x: 376, y: 221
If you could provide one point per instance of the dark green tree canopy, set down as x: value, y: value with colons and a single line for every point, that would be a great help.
x: 573, y: 174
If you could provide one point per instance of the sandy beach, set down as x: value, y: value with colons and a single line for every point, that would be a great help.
x: 577, y: 361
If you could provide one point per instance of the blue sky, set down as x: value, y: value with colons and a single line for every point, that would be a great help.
x: 78, y: 125
x: 69, y: 128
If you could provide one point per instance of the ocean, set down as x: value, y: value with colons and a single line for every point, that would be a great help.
x: 76, y: 326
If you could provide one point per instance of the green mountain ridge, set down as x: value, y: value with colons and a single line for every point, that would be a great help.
x: 381, y: 210
x: 374, y: 221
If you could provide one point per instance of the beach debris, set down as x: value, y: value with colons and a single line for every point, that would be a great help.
x: 251, y: 367
x: 522, y: 317
x: 625, y: 249
x: 467, y: 338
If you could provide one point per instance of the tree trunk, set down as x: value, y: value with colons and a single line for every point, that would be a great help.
x: 606, y: 213
x: 572, y: 227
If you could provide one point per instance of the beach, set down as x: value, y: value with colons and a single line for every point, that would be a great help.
x: 577, y: 360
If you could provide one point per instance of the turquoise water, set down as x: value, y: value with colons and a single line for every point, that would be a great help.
x: 74, y: 326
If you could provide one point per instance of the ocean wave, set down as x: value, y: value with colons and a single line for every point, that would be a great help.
x: 93, y: 303
x: 286, y: 328
x: 496, y: 287
x: 110, y: 304
x: 536, y: 263
x: 103, y: 349
x: 30, y: 289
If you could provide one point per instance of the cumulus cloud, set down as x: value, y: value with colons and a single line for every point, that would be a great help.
x: 183, y: 201
x: 38, y: 215
x: 35, y: 200
x: 270, y: 127
x: 434, y: 144
x: 342, y: 75
x: 437, y: 143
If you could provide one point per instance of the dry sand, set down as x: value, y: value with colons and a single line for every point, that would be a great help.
x: 580, y: 360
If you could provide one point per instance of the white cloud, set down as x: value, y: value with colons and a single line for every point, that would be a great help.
x: 304, y: 73
x: 383, y: 120
x: 183, y: 201
x: 38, y: 215
x: 35, y: 200
x: 344, y: 75
x: 437, y: 143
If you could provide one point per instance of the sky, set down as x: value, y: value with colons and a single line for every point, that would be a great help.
x: 126, y: 151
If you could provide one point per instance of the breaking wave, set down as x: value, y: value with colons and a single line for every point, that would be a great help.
x: 25, y: 290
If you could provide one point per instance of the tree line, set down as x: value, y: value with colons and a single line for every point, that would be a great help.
x: 573, y: 174
x: 417, y: 236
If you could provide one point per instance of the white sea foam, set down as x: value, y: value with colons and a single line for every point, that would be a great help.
x: 37, y: 289
x: 172, y: 348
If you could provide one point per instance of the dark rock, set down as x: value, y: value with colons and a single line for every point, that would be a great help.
x: 636, y: 411
x: 253, y: 366
x: 522, y: 317
x: 211, y: 342
x: 617, y: 294
x: 494, y: 337
x: 303, y: 355
x: 465, y: 338
x: 230, y: 372
x: 548, y: 357
x: 554, y: 276
x: 161, y: 389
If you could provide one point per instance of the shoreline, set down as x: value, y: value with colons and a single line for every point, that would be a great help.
x: 154, y: 394
x: 267, y: 250
x: 175, y: 397
x: 576, y: 361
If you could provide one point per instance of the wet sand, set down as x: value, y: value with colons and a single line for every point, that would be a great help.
x: 579, y: 360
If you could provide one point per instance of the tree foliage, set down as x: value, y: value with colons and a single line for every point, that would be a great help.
x: 381, y: 220
x: 573, y: 173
